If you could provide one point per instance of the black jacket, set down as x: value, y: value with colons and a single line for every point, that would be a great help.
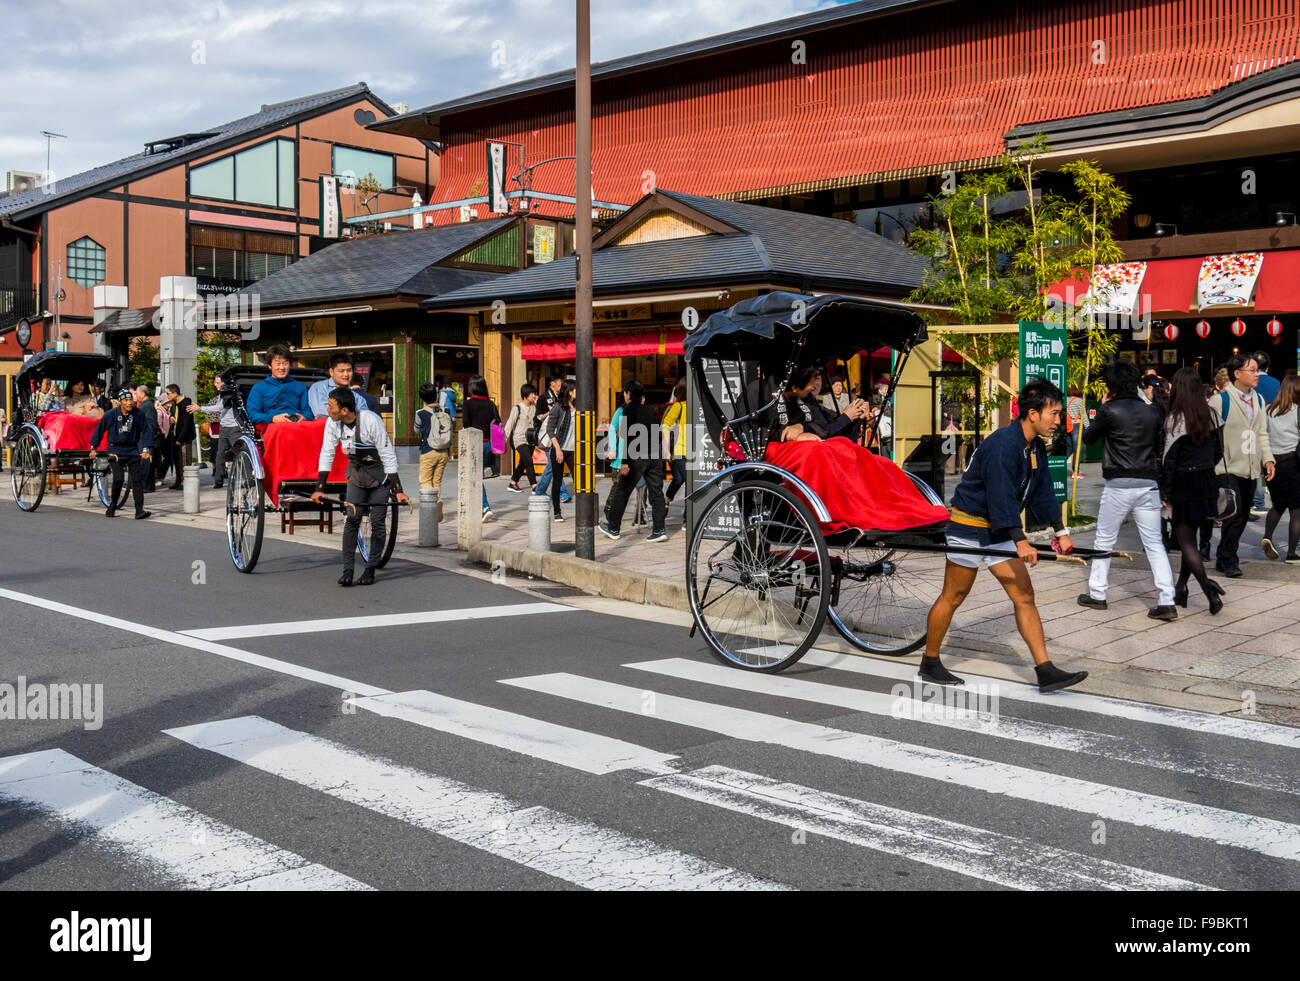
x: 1184, y: 458
x: 127, y: 435
x: 1134, y: 431
x: 182, y: 429
x: 644, y: 438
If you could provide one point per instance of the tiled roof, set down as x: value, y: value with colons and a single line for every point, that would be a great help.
x: 770, y: 246
x: 119, y: 171
x: 379, y: 265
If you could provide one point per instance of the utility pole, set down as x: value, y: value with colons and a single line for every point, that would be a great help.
x: 585, y: 471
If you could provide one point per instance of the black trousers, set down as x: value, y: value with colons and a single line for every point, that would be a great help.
x: 524, y: 465
x: 226, y: 442
x: 365, y: 501
x: 557, y: 475
x: 1230, y: 536
x: 138, y: 468
x: 653, y: 472
x: 678, y: 482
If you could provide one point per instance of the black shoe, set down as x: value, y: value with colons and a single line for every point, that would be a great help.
x: 110, y: 512
x: 1163, y: 613
x: 934, y: 672
x: 1218, y: 590
x: 1205, y: 550
x: 1086, y: 600
x: 173, y: 486
x: 367, y: 578
x: 142, y: 514
x: 1232, y: 572
x: 1052, y: 678
x: 217, y: 486
x: 1180, y: 596
x: 346, y: 578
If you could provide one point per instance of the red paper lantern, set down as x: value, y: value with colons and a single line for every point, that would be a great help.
x: 1203, y: 328
x: 1238, y: 327
x: 1171, y: 332
x: 1274, y: 327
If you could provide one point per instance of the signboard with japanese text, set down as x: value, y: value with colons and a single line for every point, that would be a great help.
x: 1043, y: 355
x: 611, y: 315
x: 703, y: 453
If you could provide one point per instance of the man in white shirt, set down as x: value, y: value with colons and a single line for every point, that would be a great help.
x: 372, y: 477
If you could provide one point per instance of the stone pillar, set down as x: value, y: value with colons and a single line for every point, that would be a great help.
x: 428, y: 518
x: 179, y: 321
x: 469, y: 490
x: 539, y: 523
x: 190, y: 489
x: 107, y: 300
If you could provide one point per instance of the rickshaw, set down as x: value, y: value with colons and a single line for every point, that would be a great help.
x: 767, y: 562
x: 274, y: 467
x: 48, y: 443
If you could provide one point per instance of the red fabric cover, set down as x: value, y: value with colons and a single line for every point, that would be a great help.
x: 859, y: 488
x: 1170, y: 285
x: 603, y: 346
x: 292, y: 452
x: 1278, y: 288
x: 64, y: 431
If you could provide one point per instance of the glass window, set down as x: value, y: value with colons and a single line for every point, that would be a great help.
x: 286, y: 173
x: 255, y: 180
x: 214, y: 180
x: 358, y: 163
x: 86, y: 261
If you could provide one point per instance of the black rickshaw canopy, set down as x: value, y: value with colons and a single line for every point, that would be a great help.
x: 63, y: 366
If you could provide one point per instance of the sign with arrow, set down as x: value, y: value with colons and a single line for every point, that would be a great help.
x: 1043, y: 355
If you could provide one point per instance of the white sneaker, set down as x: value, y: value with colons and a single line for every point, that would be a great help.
x: 487, y: 514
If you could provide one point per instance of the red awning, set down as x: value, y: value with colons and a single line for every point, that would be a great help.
x: 1277, y: 290
x: 605, y: 345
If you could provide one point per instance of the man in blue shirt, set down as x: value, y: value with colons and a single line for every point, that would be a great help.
x: 318, y: 395
x: 277, y: 397
x: 1007, y: 473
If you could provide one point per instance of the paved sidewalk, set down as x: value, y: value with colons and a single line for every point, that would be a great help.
x: 1253, y: 642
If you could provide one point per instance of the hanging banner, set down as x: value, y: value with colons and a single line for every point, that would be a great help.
x: 329, y: 206
x: 496, y: 158
x: 1228, y: 280
x: 1116, y: 288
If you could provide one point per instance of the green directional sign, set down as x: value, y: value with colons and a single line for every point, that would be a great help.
x: 1042, y: 355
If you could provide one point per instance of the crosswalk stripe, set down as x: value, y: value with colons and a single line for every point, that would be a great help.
x: 539, y: 838
x: 378, y: 620
x: 156, y: 831
x: 1077, y: 701
x: 988, y: 855
x: 1263, y: 835
x: 995, y: 726
x: 576, y: 748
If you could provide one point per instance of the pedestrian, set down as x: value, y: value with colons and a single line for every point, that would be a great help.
x: 1131, y: 430
x: 674, y: 435
x: 1246, y: 452
x: 1221, y: 381
x: 837, y: 399
x: 278, y: 397
x: 1283, y: 418
x: 341, y: 374
x: 544, y: 406
x: 446, y: 394
x: 180, y: 410
x: 643, y: 460
x: 480, y: 413
x: 614, y: 449
x: 130, y: 445
x: 1008, y: 472
x: 1268, y: 388
x: 520, y: 437
x: 559, y: 441
x: 372, y: 477
x: 149, y: 417
x: 1188, y: 483
x: 434, y: 425
x: 1074, y: 422
x: 226, y: 426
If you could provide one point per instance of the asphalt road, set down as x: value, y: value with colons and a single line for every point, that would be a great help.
x: 471, y: 735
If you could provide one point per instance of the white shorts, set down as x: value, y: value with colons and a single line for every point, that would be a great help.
x: 975, y: 561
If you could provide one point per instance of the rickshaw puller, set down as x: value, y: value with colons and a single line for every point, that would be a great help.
x: 1007, y: 473
x: 372, y: 476
x: 130, y: 440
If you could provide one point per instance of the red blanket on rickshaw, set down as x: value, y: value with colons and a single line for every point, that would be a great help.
x: 859, y: 488
x: 64, y: 431
x: 291, y: 451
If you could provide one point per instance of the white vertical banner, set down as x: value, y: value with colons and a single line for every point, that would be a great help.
x: 496, y: 155
x: 329, y: 206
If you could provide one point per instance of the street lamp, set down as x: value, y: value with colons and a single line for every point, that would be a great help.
x: 1282, y: 217
x: 1163, y: 229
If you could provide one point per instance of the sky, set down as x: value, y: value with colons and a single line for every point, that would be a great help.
x: 112, y: 75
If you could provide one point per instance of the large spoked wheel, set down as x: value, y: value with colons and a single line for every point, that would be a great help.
x: 245, y: 511
x: 758, y: 577
x: 882, y: 594
x: 363, y: 537
x: 27, y: 473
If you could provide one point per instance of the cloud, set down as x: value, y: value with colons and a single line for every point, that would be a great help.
x: 115, y: 76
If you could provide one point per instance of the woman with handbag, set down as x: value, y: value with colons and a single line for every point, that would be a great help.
x: 559, y: 441
x: 1283, y: 420
x: 481, y: 413
x: 1188, y: 484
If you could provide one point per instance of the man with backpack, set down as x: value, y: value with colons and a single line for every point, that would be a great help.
x: 1246, y: 451
x: 433, y: 424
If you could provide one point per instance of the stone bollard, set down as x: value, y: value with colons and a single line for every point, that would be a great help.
x: 190, y: 489
x: 469, y: 490
x: 428, y: 518
x: 539, y: 523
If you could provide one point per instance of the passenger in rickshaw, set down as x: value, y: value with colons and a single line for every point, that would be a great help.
x: 49, y: 398
x: 860, y: 489
x: 278, y: 397
x: 80, y: 402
